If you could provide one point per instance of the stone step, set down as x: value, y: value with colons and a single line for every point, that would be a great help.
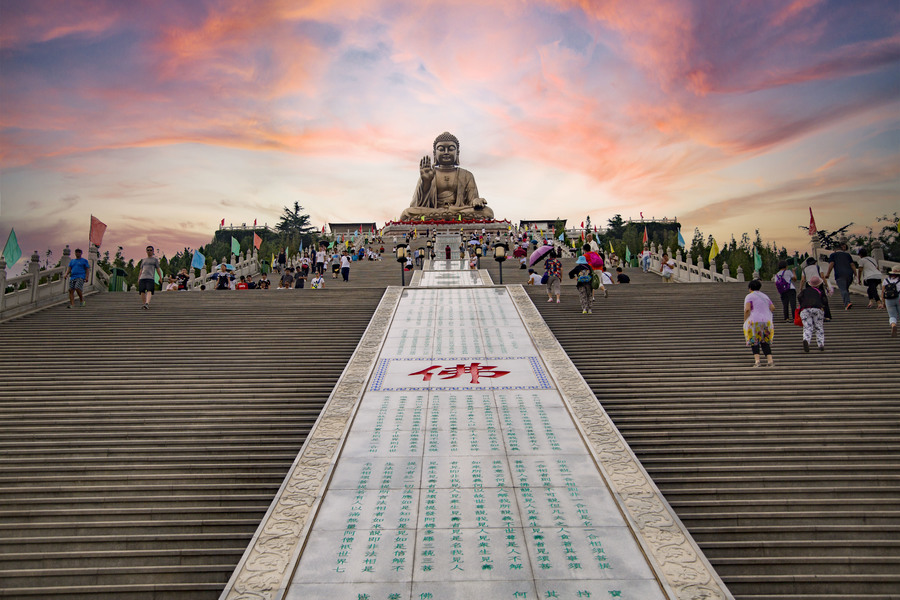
x: 83, y: 558
x: 129, y: 591
x: 12, y: 547
x: 109, y: 575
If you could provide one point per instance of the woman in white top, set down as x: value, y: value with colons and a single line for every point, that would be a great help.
x: 758, y: 327
x: 870, y: 274
x: 667, y: 269
x: 812, y: 270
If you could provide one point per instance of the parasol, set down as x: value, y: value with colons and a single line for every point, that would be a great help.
x: 538, y: 254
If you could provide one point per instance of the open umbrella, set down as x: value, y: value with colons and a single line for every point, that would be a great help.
x: 538, y: 254
x: 594, y: 259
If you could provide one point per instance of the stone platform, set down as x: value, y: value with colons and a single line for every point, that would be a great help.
x: 461, y: 455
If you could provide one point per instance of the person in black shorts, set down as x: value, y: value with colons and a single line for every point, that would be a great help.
x: 146, y: 280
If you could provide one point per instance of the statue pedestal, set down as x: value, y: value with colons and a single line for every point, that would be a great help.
x: 430, y: 228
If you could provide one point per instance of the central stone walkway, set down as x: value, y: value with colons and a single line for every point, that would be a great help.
x: 461, y: 474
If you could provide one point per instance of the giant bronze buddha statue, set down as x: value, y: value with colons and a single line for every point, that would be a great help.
x: 446, y: 191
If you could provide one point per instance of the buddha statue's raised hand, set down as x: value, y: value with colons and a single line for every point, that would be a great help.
x: 426, y: 172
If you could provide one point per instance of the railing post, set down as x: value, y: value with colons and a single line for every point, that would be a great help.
x: 877, y: 252
x: 712, y: 270
x: 2, y: 283
x: 34, y: 267
x: 700, y: 268
x: 726, y: 272
x: 93, y: 258
x: 64, y: 263
x: 740, y: 273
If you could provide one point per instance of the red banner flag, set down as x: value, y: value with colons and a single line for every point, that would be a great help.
x: 323, y: 229
x: 254, y: 222
x: 257, y: 241
x: 97, y: 231
x: 645, y: 234
x: 222, y: 224
x: 812, y: 223
x: 582, y: 224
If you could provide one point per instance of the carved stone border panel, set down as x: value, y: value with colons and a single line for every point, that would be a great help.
x: 265, y: 569
x: 681, y: 564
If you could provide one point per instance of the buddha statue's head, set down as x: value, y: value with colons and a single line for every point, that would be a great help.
x: 446, y: 150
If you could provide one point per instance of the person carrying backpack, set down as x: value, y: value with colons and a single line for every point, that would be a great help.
x: 784, y: 283
x: 812, y: 312
x: 890, y: 297
x: 583, y: 273
x: 869, y: 273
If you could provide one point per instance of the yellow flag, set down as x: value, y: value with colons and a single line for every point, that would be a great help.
x: 611, y: 250
x: 713, y: 251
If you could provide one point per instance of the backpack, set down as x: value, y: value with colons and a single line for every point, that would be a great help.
x: 595, y: 281
x: 890, y: 289
x: 545, y: 277
x: 585, y: 276
x: 782, y: 284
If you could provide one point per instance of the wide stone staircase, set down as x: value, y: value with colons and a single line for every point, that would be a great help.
x: 140, y: 449
x: 787, y: 477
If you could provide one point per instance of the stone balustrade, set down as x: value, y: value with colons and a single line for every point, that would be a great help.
x: 37, y: 289
x: 687, y: 272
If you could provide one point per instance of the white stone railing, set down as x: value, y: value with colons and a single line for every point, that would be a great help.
x: 38, y: 289
x: 244, y: 264
x: 688, y: 272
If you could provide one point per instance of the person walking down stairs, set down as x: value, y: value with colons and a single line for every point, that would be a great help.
x: 758, y: 327
x: 146, y: 280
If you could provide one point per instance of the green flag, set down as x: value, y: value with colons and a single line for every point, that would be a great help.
x: 627, y: 254
x: 11, y: 252
x: 757, y: 259
x: 235, y: 247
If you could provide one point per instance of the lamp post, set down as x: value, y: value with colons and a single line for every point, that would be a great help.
x: 401, y: 258
x: 500, y: 256
x: 478, y: 254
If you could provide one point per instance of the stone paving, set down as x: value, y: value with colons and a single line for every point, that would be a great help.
x: 461, y: 474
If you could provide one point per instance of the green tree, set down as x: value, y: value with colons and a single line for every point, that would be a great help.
x: 616, y: 228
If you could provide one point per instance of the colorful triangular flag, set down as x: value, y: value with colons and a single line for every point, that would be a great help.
x: 11, y: 251
x: 645, y: 235
x: 235, y: 246
x: 199, y: 261
x: 97, y: 230
x: 680, y: 239
x: 713, y: 250
x: 257, y: 241
x: 812, y: 223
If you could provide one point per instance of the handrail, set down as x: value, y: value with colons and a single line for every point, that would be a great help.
x: 40, y: 288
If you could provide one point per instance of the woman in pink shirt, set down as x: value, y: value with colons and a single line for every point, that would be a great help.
x: 758, y: 327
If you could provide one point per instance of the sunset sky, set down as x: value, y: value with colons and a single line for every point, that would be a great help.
x: 163, y: 117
